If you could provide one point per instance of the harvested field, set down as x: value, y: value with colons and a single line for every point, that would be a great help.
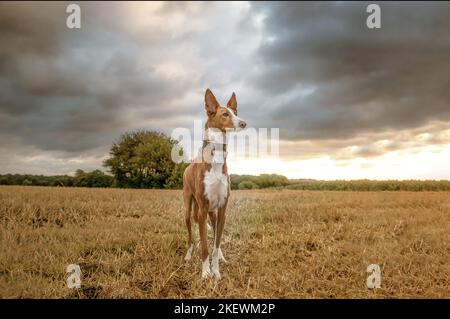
x: 278, y: 244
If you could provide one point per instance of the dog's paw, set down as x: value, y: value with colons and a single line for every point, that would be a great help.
x: 189, y: 253
x: 215, y: 263
x: 215, y: 269
x: 216, y: 274
x: 221, y: 257
x: 206, y: 270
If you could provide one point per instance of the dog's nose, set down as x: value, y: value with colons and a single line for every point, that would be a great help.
x: 242, y: 124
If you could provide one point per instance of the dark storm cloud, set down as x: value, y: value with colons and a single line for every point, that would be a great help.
x: 27, y: 30
x: 312, y: 69
x: 70, y: 90
x: 361, y: 80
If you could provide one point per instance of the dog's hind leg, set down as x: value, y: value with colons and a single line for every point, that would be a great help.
x: 195, y: 210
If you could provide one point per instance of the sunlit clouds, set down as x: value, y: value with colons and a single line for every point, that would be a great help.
x: 349, y: 102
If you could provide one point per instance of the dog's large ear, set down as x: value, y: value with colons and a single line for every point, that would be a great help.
x: 232, y: 103
x: 211, y: 103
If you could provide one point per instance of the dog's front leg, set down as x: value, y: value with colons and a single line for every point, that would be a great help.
x: 206, y: 270
x: 217, y: 252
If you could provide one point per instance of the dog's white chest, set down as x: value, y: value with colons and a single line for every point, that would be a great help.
x: 216, y: 186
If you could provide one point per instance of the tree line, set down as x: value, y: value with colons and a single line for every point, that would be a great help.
x: 142, y: 159
x: 371, y: 185
x: 96, y: 178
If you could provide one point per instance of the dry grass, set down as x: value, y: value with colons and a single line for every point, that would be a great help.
x: 279, y: 244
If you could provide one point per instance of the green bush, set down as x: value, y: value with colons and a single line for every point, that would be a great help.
x: 247, y: 185
x: 262, y: 181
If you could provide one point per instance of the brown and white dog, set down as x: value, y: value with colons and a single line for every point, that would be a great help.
x: 206, y: 184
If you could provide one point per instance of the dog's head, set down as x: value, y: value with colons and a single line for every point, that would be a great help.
x: 222, y: 118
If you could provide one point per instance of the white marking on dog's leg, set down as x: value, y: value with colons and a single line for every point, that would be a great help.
x: 206, y: 270
x: 221, y: 257
x: 215, y: 263
x: 189, y: 253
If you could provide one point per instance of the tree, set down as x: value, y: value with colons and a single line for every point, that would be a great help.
x: 79, y: 173
x: 175, y: 181
x: 141, y: 159
x: 27, y: 182
x: 95, y: 178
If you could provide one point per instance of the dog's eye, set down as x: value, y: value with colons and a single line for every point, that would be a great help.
x: 225, y: 114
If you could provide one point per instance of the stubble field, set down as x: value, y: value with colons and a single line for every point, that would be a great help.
x: 278, y: 244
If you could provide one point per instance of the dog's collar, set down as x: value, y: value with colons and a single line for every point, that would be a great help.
x: 211, y: 142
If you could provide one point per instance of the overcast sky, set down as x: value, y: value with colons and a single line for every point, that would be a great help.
x: 350, y: 102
